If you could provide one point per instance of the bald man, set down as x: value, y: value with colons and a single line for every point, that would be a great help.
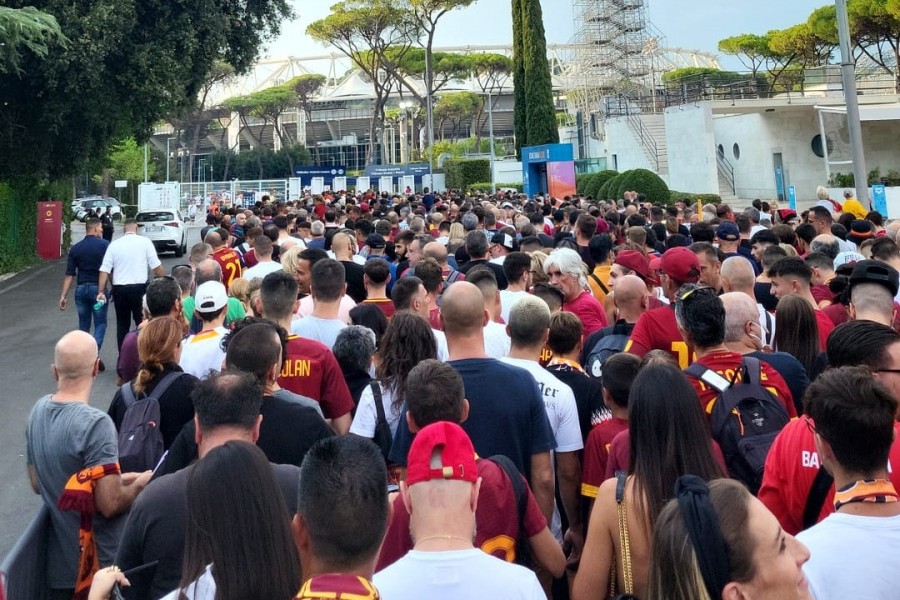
x: 65, y: 437
x: 438, y: 252
x: 227, y: 258
x: 632, y: 299
x: 343, y: 244
x: 526, y: 437
x: 738, y: 276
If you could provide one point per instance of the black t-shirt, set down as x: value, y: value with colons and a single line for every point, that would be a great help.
x: 354, y: 272
x: 497, y: 269
x: 588, y: 394
x: 585, y: 253
x: 763, y: 293
x: 175, y: 406
x: 462, y: 256
x: 791, y: 370
x: 155, y: 530
x: 287, y: 433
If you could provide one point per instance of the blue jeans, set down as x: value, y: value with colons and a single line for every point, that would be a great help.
x: 85, y: 298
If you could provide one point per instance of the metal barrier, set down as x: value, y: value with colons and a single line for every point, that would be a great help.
x: 246, y: 192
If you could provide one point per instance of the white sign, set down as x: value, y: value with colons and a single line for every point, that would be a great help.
x: 294, y: 188
x: 159, y: 195
x: 386, y: 184
x: 363, y: 183
x: 121, y: 183
x: 318, y: 185
x: 340, y: 184
x: 409, y: 181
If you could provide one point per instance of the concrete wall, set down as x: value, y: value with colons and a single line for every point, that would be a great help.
x: 507, y: 171
x: 691, y: 150
x: 622, y: 143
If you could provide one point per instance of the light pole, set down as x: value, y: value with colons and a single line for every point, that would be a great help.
x: 848, y: 74
x: 490, y: 103
x: 405, y: 127
x: 168, y: 139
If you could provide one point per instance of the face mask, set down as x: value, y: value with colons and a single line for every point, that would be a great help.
x: 757, y: 338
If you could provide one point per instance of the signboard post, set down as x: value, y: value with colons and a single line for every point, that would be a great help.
x: 339, y: 184
x: 409, y: 181
x: 792, y: 197
x: 159, y: 195
x: 318, y: 185
x: 879, y: 199
x: 121, y: 183
x: 363, y: 183
x: 386, y: 184
x: 49, y: 230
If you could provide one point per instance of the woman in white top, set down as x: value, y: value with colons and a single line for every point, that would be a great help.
x: 407, y: 342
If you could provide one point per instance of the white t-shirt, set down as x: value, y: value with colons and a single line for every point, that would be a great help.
x: 347, y: 304
x: 496, y: 340
x: 261, y: 269
x: 129, y: 258
x: 367, y: 417
x: 443, y: 354
x: 202, y: 352
x: 454, y: 575
x: 507, y: 300
x: 852, y: 556
x: 321, y: 330
x: 204, y: 588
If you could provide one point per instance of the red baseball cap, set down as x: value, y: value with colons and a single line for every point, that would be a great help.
x: 364, y: 207
x: 456, y: 452
x: 681, y: 265
x: 637, y: 262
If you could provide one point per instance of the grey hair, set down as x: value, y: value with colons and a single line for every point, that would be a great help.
x: 470, y: 221
x: 317, y: 228
x: 354, y: 346
x: 568, y: 262
x: 417, y: 225
x: 873, y: 297
x: 822, y: 192
x: 739, y: 310
x: 529, y: 318
x: 477, y: 243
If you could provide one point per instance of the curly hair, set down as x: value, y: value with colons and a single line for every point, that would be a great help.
x: 407, y: 342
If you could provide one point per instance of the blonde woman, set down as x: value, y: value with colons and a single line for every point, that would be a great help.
x: 457, y: 237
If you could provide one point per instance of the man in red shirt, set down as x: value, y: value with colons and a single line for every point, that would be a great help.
x: 791, y: 276
x: 701, y: 320
x: 565, y: 270
x: 793, y: 463
x: 227, y: 258
x: 376, y: 277
x: 435, y: 393
x: 656, y: 329
x: 309, y: 368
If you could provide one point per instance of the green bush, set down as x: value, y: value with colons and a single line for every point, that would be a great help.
x: 18, y: 215
x: 692, y: 198
x: 484, y: 187
x: 645, y: 182
x: 582, y: 181
x: 607, y: 191
x: 599, y: 179
x: 460, y: 174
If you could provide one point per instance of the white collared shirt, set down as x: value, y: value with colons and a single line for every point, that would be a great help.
x: 129, y: 258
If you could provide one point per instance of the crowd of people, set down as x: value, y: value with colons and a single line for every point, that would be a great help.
x: 450, y: 396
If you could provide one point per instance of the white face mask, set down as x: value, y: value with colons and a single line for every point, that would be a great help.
x: 760, y: 345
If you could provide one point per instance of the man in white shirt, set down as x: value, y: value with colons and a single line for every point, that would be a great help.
x: 202, y: 352
x: 517, y: 268
x: 529, y: 328
x: 496, y: 340
x: 501, y: 245
x: 440, y: 494
x: 851, y: 551
x: 327, y: 288
x: 262, y: 248
x: 127, y: 260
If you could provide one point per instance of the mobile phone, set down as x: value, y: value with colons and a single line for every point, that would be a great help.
x: 393, y: 487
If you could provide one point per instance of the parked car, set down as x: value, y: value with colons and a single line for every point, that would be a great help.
x: 81, y: 206
x: 165, y: 228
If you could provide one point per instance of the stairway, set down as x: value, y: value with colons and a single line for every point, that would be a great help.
x: 725, y: 191
x: 654, y: 134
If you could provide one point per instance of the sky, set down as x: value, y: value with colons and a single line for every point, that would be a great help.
x: 689, y: 24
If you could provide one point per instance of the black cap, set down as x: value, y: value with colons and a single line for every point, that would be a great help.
x: 375, y: 240
x: 504, y: 239
x: 875, y: 271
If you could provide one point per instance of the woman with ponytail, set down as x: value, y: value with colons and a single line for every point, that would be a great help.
x: 159, y: 349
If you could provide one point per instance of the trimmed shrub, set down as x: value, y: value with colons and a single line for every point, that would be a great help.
x: 607, y: 191
x: 582, y: 181
x: 692, y: 198
x: 601, y: 178
x: 484, y: 187
x: 647, y: 183
x: 460, y: 174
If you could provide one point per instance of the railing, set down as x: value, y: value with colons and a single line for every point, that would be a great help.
x: 726, y: 170
x: 626, y: 106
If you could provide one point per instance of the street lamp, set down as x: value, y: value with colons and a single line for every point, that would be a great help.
x: 168, y: 139
x: 848, y: 74
x: 405, y: 106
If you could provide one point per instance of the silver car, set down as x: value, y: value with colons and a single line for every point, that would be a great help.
x: 165, y: 228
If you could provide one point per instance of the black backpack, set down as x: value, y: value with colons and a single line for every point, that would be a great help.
x: 383, y: 436
x: 140, y: 440
x: 745, y: 419
x: 524, y: 553
x: 614, y: 339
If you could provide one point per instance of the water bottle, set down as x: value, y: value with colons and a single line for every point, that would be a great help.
x: 99, y: 304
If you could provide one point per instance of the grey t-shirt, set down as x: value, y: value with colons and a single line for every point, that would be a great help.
x: 321, y: 330
x: 62, y: 438
x: 290, y: 396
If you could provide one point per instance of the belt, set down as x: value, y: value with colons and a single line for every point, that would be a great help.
x: 129, y: 284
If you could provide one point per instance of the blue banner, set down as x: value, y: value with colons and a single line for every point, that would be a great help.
x: 327, y: 172
x: 792, y: 197
x: 414, y: 169
x: 879, y: 199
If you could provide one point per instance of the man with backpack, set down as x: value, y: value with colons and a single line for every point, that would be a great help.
x: 744, y: 397
x: 631, y: 299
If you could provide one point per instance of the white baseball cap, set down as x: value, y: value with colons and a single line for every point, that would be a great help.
x: 210, y: 296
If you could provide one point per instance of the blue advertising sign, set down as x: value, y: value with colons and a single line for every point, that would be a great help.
x: 792, y: 197
x: 327, y: 172
x: 414, y: 169
x: 879, y: 198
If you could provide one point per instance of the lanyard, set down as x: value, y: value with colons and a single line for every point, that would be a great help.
x: 870, y: 490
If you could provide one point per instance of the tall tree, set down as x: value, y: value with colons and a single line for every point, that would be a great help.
x: 26, y: 29
x: 490, y: 72
x: 306, y: 87
x: 363, y: 30
x: 750, y: 49
x: 520, y: 119
x: 540, y: 111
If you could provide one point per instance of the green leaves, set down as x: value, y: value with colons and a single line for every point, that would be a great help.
x: 26, y: 28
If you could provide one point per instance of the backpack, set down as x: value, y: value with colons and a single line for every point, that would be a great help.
x: 140, y: 440
x: 745, y: 419
x: 524, y: 554
x: 614, y: 339
x: 383, y: 436
x: 599, y: 283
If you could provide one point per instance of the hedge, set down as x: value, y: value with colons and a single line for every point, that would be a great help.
x: 607, y: 191
x: 461, y: 174
x: 18, y: 216
x: 485, y: 186
x: 597, y: 182
x: 692, y: 198
x: 582, y: 181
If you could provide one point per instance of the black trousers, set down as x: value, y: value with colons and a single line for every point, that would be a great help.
x: 128, y: 300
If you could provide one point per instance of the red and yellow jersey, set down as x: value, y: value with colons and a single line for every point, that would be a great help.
x: 230, y: 262
x: 311, y: 370
x: 337, y: 586
x: 727, y: 364
x: 656, y: 330
x: 596, y: 454
x: 385, y: 304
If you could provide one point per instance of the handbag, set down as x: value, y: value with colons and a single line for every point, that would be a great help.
x: 383, y: 437
x: 624, y: 546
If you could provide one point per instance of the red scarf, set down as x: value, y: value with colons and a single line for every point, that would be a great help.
x: 78, y: 495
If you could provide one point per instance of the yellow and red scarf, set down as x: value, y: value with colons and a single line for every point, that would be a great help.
x: 78, y: 495
x: 869, y: 490
x: 337, y: 586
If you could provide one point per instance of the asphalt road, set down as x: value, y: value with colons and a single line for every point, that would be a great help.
x: 30, y: 325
